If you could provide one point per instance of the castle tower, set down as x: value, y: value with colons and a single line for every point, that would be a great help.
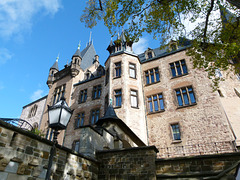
x: 124, y: 85
x: 54, y: 69
x: 76, y: 62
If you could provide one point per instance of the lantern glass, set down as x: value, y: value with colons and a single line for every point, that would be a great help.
x: 54, y: 115
x: 65, y: 117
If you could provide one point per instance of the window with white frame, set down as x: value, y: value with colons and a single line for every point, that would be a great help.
x: 132, y: 70
x: 134, y: 98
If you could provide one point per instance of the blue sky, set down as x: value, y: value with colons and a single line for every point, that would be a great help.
x: 32, y: 34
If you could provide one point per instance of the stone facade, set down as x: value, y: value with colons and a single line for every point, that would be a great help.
x: 143, y: 90
x: 24, y: 156
x: 33, y: 112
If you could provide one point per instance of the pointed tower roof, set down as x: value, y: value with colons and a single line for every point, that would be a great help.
x: 110, y: 114
x: 123, y: 38
x: 55, y: 65
x: 78, y: 53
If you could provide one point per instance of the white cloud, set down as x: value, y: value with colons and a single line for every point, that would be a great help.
x: 16, y: 16
x: 140, y: 46
x: 36, y: 95
x: 5, y: 55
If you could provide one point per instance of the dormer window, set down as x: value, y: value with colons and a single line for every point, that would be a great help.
x: 149, y: 53
x: 173, y: 45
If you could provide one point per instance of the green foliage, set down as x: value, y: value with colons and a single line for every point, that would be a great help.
x: 215, y: 44
x: 38, y: 132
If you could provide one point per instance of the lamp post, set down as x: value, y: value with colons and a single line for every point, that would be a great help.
x: 58, y: 115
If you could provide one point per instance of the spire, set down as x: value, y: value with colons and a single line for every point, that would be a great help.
x: 110, y: 113
x: 118, y: 37
x: 90, y: 38
x: 77, y: 53
x: 123, y: 38
x: 55, y: 65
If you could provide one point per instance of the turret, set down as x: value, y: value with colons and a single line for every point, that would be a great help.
x: 53, y: 70
x: 121, y: 44
x: 76, y: 62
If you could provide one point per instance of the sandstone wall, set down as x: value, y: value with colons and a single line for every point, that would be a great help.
x: 24, y: 156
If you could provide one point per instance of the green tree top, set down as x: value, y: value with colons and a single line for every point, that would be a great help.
x: 216, y: 39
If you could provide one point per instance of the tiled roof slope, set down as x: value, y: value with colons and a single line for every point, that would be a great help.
x: 88, y: 55
x: 158, y: 52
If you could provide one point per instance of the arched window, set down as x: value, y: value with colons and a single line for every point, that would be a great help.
x: 33, y: 111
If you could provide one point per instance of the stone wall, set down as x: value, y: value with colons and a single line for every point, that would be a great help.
x: 220, y: 166
x: 132, y: 163
x: 24, y: 156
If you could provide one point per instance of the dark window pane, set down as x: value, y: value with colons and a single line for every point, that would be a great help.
x: 161, y: 104
x: 180, y: 102
x: 150, y: 107
x: 192, y: 98
x: 186, y: 101
x: 147, y: 79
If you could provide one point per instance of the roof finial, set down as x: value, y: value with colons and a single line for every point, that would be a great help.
x: 110, y: 101
x: 90, y: 37
x: 57, y: 57
x: 67, y: 62
x: 79, y: 45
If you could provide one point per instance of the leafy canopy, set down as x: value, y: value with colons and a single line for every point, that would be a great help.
x: 215, y: 38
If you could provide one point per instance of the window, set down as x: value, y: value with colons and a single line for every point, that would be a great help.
x: 33, y: 111
x: 118, y: 97
x: 152, y: 76
x: 134, y: 98
x: 79, y: 120
x: 94, y: 116
x: 118, y: 69
x: 83, y: 96
x: 76, y: 145
x: 58, y: 93
x: 132, y: 70
x: 185, y: 96
x: 97, y: 90
x: 178, y: 68
x: 149, y: 55
x: 155, y: 103
x: 107, y: 77
x: 176, y: 132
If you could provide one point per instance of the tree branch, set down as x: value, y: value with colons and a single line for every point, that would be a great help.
x: 206, y: 23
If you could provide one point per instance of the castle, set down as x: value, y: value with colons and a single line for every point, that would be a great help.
x: 153, y: 98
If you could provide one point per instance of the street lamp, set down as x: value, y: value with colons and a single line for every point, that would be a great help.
x: 58, y: 115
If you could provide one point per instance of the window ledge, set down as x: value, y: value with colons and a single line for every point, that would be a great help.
x: 156, y: 112
x: 180, y: 107
x: 117, y: 107
x: 95, y: 98
x: 152, y: 83
x: 133, y: 77
x: 176, y: 141
x: 81, y: 102
x: 179, y: 76
x: 117, y: 77
x: 134, y: 107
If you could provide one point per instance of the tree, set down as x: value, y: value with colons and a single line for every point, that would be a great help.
x: 215, y: 39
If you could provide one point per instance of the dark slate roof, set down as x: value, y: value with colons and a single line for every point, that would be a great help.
x: 77, y: 53
x: 55, y: 65
x: 110, y: 113
x: 88, y: 56
x: 158, y: 52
